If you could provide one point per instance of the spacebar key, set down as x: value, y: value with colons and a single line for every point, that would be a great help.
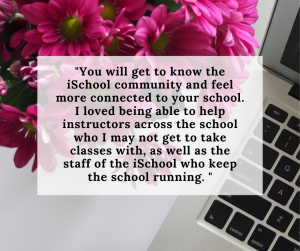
x: 254, y: 205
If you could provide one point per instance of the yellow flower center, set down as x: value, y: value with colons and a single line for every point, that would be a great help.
x: 72, y: 28
x: 109, y: 11
x: 30, y: 127
x: 161, y: 43
x: 113, y: 46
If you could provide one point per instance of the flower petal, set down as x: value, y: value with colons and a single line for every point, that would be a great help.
x: 33, y: 36
x: 26, y: 150
x: 159, y: 14
x: 36, y: 13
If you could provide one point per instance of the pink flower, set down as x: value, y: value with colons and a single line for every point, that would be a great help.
x: 3, y: 89
x: 134, y: 9
x: 64, y: 27
x: 162, y: 34
x: 21, y: 3
x: 18, y: 129
x: 7, y: 10
x: 50, y: 141
x: 18, y: 43
x: 236, y: 37
x: 30, y: 74
x: 208, y: 13
x: 119, y: 38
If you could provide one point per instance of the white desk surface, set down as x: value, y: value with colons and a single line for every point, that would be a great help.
x: 80, y: 223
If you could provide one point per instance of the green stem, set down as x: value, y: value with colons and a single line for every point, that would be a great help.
x: 13, y: 83
x: 15, y: 16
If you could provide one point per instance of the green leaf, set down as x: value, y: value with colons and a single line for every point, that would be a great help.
x: 172, y: 6
x: 19, y: 96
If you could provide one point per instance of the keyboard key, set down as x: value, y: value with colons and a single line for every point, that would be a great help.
x: 261, y: 238
x: 254, y: 205
x: 280, y: 219
x: 280, y: 192
x: 294, y: 123
x: 287, y: 142
x: 276, y: 113
x: 270, y: 156
x: 295, y: 230
x: 298, y: 182
x: 282, y: 244
x: 287, y: 168
x: 253, y: 151
x: 295, y: 205
x: 251, y: 176
x: 298, y: 155
x: 266, y: 130
x: 240, y: 226
x: 218, y: 214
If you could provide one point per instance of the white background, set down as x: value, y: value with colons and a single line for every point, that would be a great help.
x: 62, y: 223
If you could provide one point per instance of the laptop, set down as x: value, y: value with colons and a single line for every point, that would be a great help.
x: 259, y: 222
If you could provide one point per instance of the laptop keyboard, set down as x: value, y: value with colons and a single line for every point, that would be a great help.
x: 281, y: 199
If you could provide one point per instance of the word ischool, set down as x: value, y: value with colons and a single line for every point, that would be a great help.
x: 136, y: 85
x: 150, y: 164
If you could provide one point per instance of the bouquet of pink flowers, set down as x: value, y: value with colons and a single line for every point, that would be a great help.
x: 31, y: 28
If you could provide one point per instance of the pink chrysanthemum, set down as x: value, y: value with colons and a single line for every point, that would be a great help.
x: 208, y: 13
x: 119, y: 38
x: 18, y: 43
x: 135, y: 9
x: 30, y: 74
x: 18, y: 129
x: 7, y: 9
x: 236, y: 37
x: 3, y: 89
x: 64, y: 27
x: 162, y: 34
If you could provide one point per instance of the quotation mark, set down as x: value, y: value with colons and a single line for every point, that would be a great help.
x: 210, y: 174
x: 76, y: 68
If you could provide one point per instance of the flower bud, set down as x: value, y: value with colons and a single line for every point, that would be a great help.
x: 15, y: 68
